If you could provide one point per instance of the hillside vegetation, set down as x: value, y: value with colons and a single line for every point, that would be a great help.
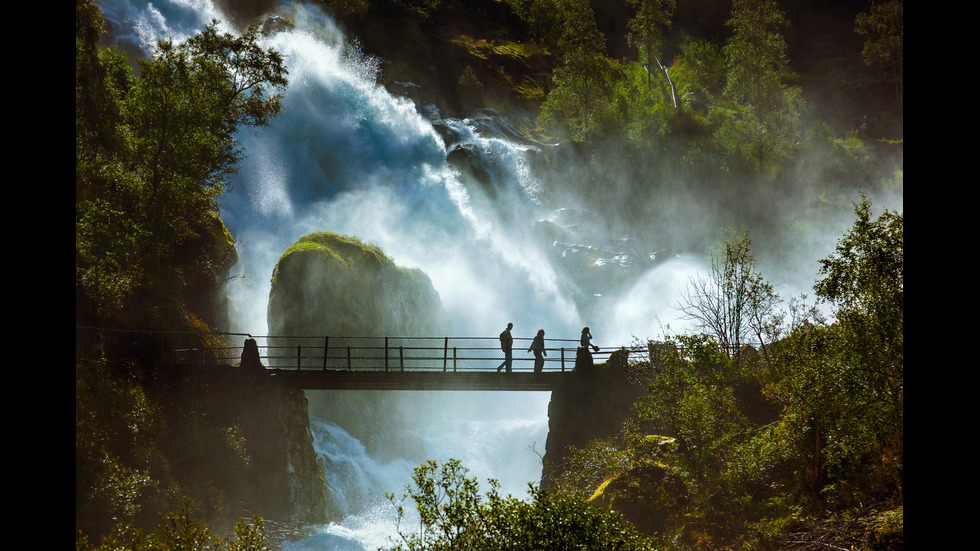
x: 762, y: 113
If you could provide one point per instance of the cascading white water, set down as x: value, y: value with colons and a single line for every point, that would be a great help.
x: 349, y: 157
x: 358, y: 482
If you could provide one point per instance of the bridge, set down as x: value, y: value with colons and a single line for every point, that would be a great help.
x: 370, y: 363
x: 416, y: 363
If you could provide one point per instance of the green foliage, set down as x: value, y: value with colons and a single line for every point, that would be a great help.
x: 844, y: 384
x: 864, y: 277
x: 755, y: 54
x: 147, y: 439
x: 454, y: 515
x: 116, y: 430
x: 181, y: 531
x: 672, y: 468
x: 647, y: 29
x: 882, y: 27
x: 730, y: 453
x: 700, y: 73
x: 765, y: 132
x: 152, y: 153
x: 691, y: 396
x: 579, y: 99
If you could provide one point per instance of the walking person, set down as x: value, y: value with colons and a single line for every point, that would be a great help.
x: 507, y: 345
x: 537, y: 346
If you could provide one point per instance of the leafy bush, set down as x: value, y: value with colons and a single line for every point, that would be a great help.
x: 454, y: 515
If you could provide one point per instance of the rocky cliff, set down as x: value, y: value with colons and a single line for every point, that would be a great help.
x: 278, y: 422
x: 593, y: 404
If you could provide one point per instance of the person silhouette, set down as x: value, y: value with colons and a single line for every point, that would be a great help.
x: 537, y: 346
x: 507, y: 345
x: 584, y: 355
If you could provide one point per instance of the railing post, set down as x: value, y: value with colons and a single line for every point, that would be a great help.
x: 454, y: 359
x: 563, y: 359
x: 445, y: 354
x: 386, y: 354
x: 401, y: 357
x: 326, y: 351
x: 348, y: 358
x: 299, y: 357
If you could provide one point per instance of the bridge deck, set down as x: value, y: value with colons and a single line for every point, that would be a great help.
x: 420, y: 380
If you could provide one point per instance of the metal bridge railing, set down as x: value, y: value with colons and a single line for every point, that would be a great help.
x: 410, y: 353
x: 328, y: 353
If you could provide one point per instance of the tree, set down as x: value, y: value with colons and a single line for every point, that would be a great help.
x: 884, y: 37
x: 153, y: 152
x: 731, y: 454
x: 734, y: 300
x: 188, y: 104
x: 766, y: 130
x: 700, y: 74
x: 582, y: 83
x: 843, y: 384
x: 674, y: 467
x: 647, y: 30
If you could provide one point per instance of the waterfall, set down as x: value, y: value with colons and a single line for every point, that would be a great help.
x: 348, y: 156
x: 358, y: 482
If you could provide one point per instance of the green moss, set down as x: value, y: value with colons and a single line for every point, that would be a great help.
x: 340, y: 250
x: 326, y: 283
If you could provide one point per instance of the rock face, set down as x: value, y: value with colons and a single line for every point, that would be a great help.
x: 593, y: 404
x: 307, y: 491
x: 335, y: 286
x: 332, y: 285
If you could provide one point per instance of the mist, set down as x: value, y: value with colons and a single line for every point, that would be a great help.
x: 348, y: 157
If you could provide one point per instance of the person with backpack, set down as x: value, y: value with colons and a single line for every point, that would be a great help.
x: 506, y: 344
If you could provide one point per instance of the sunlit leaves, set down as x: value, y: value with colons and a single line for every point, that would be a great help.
x: 455, y: 516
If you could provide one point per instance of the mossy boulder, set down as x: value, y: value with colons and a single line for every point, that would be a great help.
x: 333, y: 285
